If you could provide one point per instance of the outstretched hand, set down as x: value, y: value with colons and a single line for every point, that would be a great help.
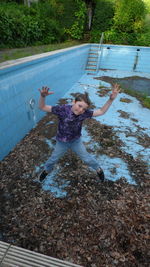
x: 45, y: 91
x: 115, y: 91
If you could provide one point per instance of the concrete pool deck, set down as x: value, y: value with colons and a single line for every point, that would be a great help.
x: 15, y: 62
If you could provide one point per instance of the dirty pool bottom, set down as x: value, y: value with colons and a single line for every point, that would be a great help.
x: 114, y: 146
x: 93, y: 222
x: 134, y: 83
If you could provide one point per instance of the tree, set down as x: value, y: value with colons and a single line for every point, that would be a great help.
x: 129, y: 16
x: 29, y: 2
x: 73, y: 18
x: 147, y: 3
x: 103, y: 15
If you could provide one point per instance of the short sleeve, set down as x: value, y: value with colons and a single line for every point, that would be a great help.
x: 58, y: 110
x: 88, y: 114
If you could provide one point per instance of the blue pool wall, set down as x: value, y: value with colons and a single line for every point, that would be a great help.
x: 59, y: 70
x: 125, y: 58
x: 19, y: 84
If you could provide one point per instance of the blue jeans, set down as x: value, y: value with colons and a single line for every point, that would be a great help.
x: 78, y: 147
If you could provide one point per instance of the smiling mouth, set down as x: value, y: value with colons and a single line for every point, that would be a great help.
x: 77, y: 113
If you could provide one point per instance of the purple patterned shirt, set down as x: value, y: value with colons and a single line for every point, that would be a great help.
x: 70, y: 125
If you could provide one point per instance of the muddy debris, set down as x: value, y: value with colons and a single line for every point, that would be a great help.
x: 103, y: 91
x: 124, y: 114
x: 125, y: 100
x: 96, y: 224
x: 136, y: 83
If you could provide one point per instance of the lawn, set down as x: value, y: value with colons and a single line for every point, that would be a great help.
x: 15, y: 53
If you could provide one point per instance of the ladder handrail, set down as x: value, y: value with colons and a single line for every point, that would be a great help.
x: 100, y: 50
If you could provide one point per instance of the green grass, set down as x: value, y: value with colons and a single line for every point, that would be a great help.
x: 143, y: 98
x: 15, y: 53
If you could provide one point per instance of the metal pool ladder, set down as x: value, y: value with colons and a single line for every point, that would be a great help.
x: 94, y: 56
x: 12, y: 256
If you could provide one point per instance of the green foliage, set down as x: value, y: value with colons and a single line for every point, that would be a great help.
x: 48, y: 13
x: 17, y: 27
x: 102, y: 19
x: 103, y: 15
x: 95, y: 36
x: 146, y: 102
x: 143, y: 98
x: 129, y: 16
x: 30, y: 31
x: 76, y: 31
x: 54, y: 21
x: 48, y: 9
x: 140, y: 39
x: 48, y: 21
x: 67, y: 15
x: 51, y: 31
x: 147, y: 4
x: 21, y: 26
x: 114, y: 37
x: 143, y: 39
x: 129, y: 26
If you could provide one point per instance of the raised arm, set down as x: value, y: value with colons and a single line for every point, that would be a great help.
x: 43, y: 93
x: 101, y: 111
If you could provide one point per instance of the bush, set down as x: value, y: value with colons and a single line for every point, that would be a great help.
x: 17, y: 27
x: 22, y: 26
x: 129, y: 16
x: 102, y: 19
x: 76, y: 31
x: 115, y: 37
x: 95, y: 36
x: 32, y: 30
x: 67, y: 14
x: 103, y: 15
x: 143, y: 39
x: 51, y: 31
x: 48, y: 14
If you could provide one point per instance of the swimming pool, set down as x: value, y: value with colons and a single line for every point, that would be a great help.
x: 61, y: 70
x: 19, y: 83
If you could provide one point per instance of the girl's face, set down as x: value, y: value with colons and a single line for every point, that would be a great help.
x: 79, y: 107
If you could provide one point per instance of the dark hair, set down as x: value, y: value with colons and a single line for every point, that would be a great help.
x: 83, y: 97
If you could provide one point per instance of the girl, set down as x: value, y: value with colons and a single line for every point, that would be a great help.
x: 70, y: 126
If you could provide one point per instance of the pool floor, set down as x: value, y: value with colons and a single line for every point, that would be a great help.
x: 120, y: 139
x: 72, y: 216
x: 134, y: 83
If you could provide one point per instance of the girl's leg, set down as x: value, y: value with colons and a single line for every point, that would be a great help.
x: 78, y: 147
x: 58, y: 152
